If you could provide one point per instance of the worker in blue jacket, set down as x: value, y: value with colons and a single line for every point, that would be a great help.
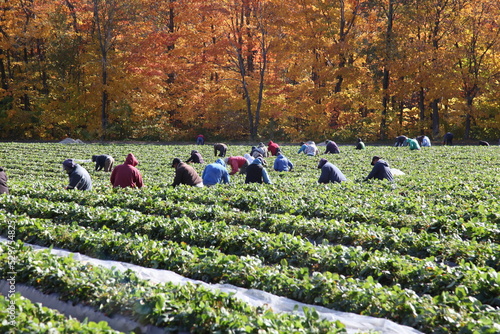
x: 282, y: 163
x: 215, y: 173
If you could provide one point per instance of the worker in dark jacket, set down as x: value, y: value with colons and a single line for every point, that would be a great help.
x: 332, y: 147
x: 185, y: 174
x: 79, y: 178
x: 195, y: 157
x: 126, y: 174
x: 380, y: 170
x: 221, y: 148
x: 3, y: 182
x: 400, y: 141
x: 448, y: 139
x: 330, y: 172
x: 103, y: 161
x: 256, y: 173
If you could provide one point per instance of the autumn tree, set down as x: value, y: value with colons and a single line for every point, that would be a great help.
x: 477, y: 36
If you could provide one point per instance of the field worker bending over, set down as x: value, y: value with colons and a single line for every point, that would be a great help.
x: 79, y: 178
x: 256, y: 173
x: 200, y: 140
x: 330, y: 172
x: 258, y: 151
x: 282, y: 164
x: 237, y: 163
x: 126, y: 174
x: 215, y: 173
x: 360, y: 145
x: 221, y: 148
x: 413, y: 143
x: 331, y: 147
x: 4, y: 189
x: 380, y: 170
x: 400, y: 141
x: 424, y: 141
x: 185, y: 174
x: 448, y: 139
x: 263, y: 148
x: 103, y: 161
x: 195, y: 157
x: 272, y: 147
x: 309, y: 148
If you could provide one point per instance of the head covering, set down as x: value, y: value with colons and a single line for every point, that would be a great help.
x: 322, y: 162
x: 375, y: 157
x: 226, y: 160
x: 194, y: 151
x: 176, y: 161
x: 131, y: 160
x: 69, y: 163
x: 359, y: 140
x: 220, y: 162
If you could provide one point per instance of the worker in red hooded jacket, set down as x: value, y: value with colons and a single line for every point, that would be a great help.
x: 126, y: 175
x: 273, y: 147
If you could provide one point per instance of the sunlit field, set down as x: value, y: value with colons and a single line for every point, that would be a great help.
x: 422, y: 251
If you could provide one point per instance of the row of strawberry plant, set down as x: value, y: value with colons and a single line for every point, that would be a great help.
x: 386, y: 268
x: 175, y: 307
x: 478, y: 224
x: 20, y: 315
x: 230, y: 239
x: 446, y: 312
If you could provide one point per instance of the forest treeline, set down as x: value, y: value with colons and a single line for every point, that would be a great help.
x: 238, y: 69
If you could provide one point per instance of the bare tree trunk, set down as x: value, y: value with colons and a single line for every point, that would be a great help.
x: 386, y: 77
x: 435, y: 117
x: 421, y: 108
x: 3, y: 73
x: 468, y: 117
x: 104, y: 35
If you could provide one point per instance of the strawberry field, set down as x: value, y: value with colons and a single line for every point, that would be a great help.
x: 422, y: 251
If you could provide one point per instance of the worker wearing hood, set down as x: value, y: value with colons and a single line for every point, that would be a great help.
x: 282, y: 163
x: 380, y: 170
x: 272, y: 147
x: 215, y: 173
x: 126, y: 174
x: 79, y: 178
x: 256, y: 173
